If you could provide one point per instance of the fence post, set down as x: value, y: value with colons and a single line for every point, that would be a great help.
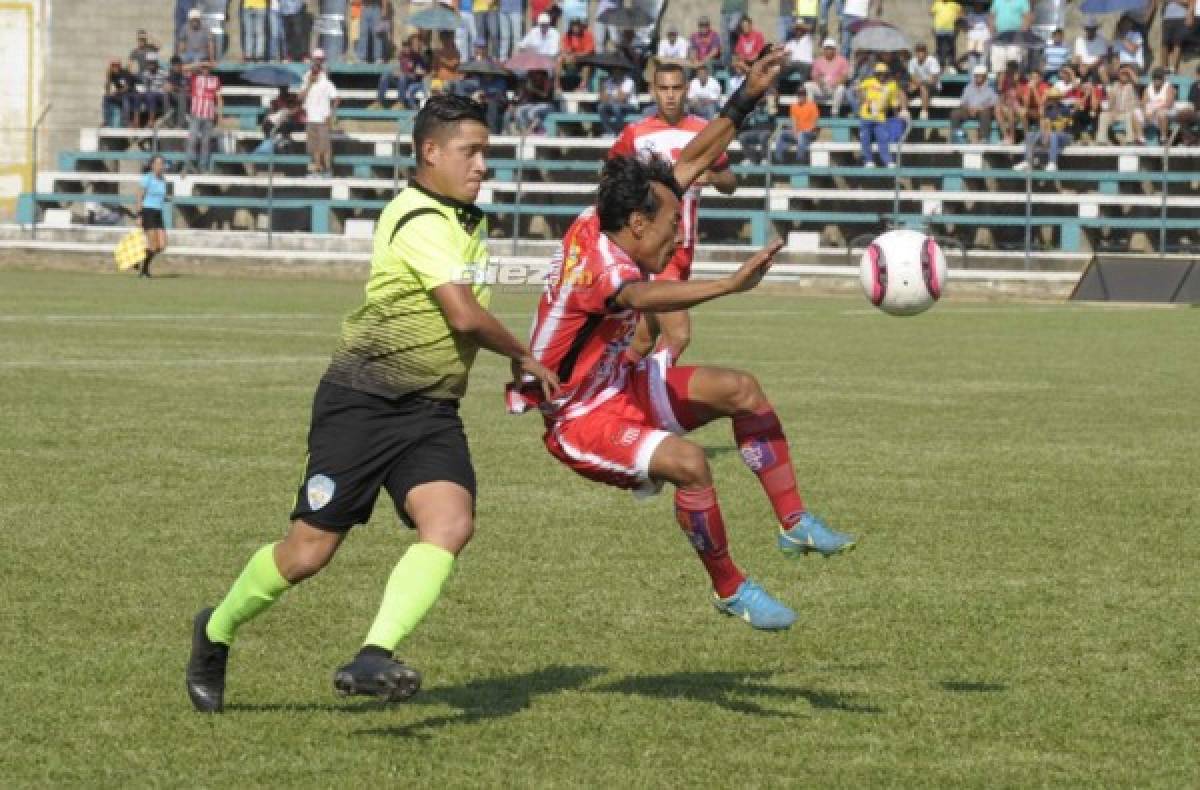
x: 1028, y: 207
x: 271, y: 196
x: 1167, y: 140
x: 516, y: 222
x: 37, y: 125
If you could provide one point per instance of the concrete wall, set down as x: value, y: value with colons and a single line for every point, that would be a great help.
x: 23, y: 40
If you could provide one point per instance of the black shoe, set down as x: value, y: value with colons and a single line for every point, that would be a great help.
x: 206, y: 668
x: 375, y: 673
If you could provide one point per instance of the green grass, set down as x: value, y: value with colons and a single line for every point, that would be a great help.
x: 1021, y: 610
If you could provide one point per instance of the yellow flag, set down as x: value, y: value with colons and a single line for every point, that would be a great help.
x: 131, y: 249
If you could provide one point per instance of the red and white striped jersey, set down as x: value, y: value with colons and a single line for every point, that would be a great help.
x: 204, y: 91
x: 654, y: 136
x: 578, y: 331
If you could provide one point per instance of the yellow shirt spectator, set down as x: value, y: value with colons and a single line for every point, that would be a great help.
x: 879, y: 94
x: 945, y: 15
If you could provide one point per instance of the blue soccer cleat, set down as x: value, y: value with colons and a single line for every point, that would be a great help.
x: 810, y: 534
x: 752, y: 604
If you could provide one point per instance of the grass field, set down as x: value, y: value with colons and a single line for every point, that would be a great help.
x: 1021, y: 610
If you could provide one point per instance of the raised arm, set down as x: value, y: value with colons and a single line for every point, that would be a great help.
x: 669, y: 295
x: 706, y: 147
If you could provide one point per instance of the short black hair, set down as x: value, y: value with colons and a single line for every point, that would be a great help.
x: 625, y: 188
x: 441, y: 111
x: 667, y: 67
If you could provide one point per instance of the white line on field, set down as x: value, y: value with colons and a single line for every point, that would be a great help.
x: 155, y: 363
x: 116, y: 317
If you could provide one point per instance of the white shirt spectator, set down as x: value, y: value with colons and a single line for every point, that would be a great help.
x: 678, y: 50
x: 927, y: 71
x: 624, y: 92
x: 544, y: 43
x: 857, y: 8
x: 704, y: 91
x: 1091, y: 52
x: 318, y: 103
x: 1138, y: 56
x: 800, y: 50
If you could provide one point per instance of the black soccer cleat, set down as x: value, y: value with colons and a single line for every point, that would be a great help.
x: 206, y: 668
x: 375, y: 673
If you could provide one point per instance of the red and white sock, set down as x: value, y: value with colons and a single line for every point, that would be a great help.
x: 699, y: 517
x: 765, y: 450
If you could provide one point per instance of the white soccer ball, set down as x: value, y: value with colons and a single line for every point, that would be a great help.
x: 903, y: 272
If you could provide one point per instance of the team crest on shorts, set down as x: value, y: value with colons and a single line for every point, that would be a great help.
x: 319, y: 491
x: 627, y: 436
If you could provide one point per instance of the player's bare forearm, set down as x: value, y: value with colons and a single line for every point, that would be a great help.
x: 703, y: 151
x: 668, y: 295
x: 724, y: 181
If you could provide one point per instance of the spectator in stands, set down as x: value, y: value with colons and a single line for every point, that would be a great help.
x: 1130, y: 46
x: 374, y: 30
x: 1010, y: 109
x: 979, y: 33
x: 754, y: 135
x: 406, y: 76
x: 1123, y: 109
x: 979, y: 102
x: 151, y: 203
x: 182, y: 9
x: 283, y: 118
x: 829, y: 75
x: 1140, y: 19
x: 606, y: 35
x: 577, y: 43
x: 275, y: 43
x: 445, y: 75
x: 1178, y: 21
x: 633, y: 52
x: 946, y: 14
x: 1189, y: 116
x: 705, y: 44
x: 805, y: 11
x: 467, y: 34
x: 491, y: 91
x: 799, y: 49
x: 320, y: 100
x: 254, y: 30
x: 853, y: 11
x: 1091, y: 49
x: 879, y: 97
x: 1056, y: 54
x: 1034, y: 98
x: 673, y: 46
x: 732, y: 13
x: 1086, y: 115
x: 142, y: 51
x: 704, y: 94
x: 196, y: 45
x: 1009, y: 16
x: 800, y: 130
x: 485, y: 25
x: 1050, y: 136
x: 618, y: 98
x: 115, y: 108
x: 542, y: 38
x: 177, y: 93
x: 534, y: 102
x: 151, y: 93
x: 512, y: 26
x: 205, y: 89
x: 1068, y: 85
x: 925, y: 77
x: 1158, y: 104
x: 749, y: 46
x: 295, y: 33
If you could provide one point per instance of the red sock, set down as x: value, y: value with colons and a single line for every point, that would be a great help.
x: 699, y: 517
x: 764, y: 449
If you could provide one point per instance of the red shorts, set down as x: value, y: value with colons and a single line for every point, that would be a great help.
x: 614, y: 442
x: 679, y: 267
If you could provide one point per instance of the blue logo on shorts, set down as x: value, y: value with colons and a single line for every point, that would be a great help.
x: 319, y: 491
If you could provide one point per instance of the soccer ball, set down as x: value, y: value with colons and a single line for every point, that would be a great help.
x: 903, y: 272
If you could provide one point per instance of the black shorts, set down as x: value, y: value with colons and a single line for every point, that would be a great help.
x: 152, y: 219
x: 1175, y: 32
x: 359, y: 443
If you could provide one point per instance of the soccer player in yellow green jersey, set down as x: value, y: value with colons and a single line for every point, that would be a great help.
x: 385, y: 414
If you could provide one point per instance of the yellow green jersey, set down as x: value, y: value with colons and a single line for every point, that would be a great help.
x: 878, y: 97
x: 399, y: 342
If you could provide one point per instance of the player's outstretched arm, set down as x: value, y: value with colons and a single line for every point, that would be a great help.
x: 705, y: 148
x: 466, y: 316
x: 667, y: 295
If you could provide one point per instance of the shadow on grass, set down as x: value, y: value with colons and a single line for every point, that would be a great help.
x: 489, y: 698
x: 972, y: 686
x: 729, y: 690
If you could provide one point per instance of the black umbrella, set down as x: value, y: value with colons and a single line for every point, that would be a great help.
x: 271, y: 76
x: 1021, y: 38
x: 606, y: 60
x: 624, y: 18
x: 485, y: 68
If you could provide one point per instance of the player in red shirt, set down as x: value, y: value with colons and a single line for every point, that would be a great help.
x: 665, y: 134
x: 621, y: 422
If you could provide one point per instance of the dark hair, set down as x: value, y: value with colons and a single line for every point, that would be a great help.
x: 441, y: 111
x: 667, y: 68
x: 625, y: 188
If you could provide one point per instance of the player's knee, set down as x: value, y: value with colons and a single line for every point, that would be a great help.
x: 692, y: 466
x: 298, y: 560
x: 450, y: 532
x: 747, y: 394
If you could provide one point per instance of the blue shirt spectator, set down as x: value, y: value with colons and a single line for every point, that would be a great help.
x: 1056, y: 53
x: 1009, y: 14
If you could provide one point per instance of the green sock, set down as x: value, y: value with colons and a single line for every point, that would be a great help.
x: 259, y: 586
x: 412, y: 589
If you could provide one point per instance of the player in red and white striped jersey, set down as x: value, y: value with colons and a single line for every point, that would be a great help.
x: 621, y: 422
x: 665, y: 134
